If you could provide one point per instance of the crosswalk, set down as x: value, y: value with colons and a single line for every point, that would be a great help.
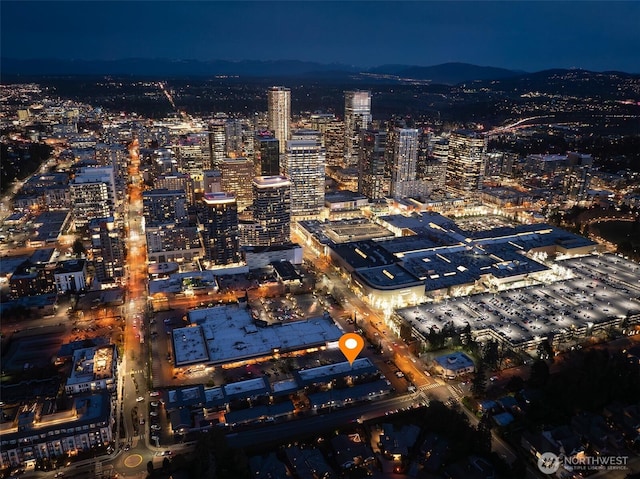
x: 427, y: 387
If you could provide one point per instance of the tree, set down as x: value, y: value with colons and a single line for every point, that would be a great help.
x: 78, y: 248
x: 515, y: 384
x: 478, y: 384
x: 539, y: 375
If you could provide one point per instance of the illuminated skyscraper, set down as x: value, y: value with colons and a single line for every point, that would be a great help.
x: 466, y: 160
x: 217, y: 142
x: 279, y: 111
x: 272, y: 210
x: 403, y: 146
x: 371, y: 167
x: 357, y: 116
x: 266, y: 150
x: 332, y: 136
x: 237, y: 174
x: 304, y: 166
x: 220, y: 228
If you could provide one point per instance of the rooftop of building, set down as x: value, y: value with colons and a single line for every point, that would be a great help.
x: 271, y: 181
x: 219, y: 198
x: 343, y: 195
x: 364, y: 254
x: 92, y: 364
x: 71, y: 266
x: 597, y: 289
x: 454, y: 361
x: 228, y: 333
x: 392, y: 276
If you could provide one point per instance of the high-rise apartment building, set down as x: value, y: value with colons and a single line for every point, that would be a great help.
x: 107, y: 249
x: 237, y: 175
x: 266, y: 151
x: 371, y: 167
x: 272, y: 210
x: 233, y: 137
x: 220, y: 228
x: 279, y: 112
x: 217, y: 142
x: 93, y: 194
x: 304, y: 163
x: 357, y: 116
x: 466, y: 160
x: 171, y: 243
x: 164, y: 207
x: 432, y: 170
x: 403, y: 148
x: 332, y: 136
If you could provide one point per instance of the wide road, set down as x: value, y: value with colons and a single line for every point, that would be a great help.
x: 133, y: 375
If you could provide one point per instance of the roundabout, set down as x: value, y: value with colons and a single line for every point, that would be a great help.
x: 133, y: 460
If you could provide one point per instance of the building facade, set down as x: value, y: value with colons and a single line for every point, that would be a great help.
x: 266, y: 150
x: 272, y: 210
x: 220, y: 228
x: 237, y: 174
x: 403, y: 148
x: 371, y: 167
x: 279, y: 114
x: 107, y: 248
x: 357, y: 117
x: 304, y: 166
x: 466, y: 161
x: 164, y: 206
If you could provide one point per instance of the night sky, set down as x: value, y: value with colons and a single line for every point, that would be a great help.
x: 519, y: 35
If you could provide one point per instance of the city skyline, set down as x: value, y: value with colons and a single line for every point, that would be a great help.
x: 526, y: 36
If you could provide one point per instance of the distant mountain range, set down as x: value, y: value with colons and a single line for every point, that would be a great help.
x: 446, y: 73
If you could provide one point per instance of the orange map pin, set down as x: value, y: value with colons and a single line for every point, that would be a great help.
x: 351, y: 344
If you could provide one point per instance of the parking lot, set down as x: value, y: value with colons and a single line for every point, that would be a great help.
x: 603, y: 288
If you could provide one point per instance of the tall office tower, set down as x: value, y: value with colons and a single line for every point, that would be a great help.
x: 237, y: 174
x: 217, y: 142
x: 233, y: 137
x: 266, y: 152
x: 371, y: 167
x: 357, y: 116
x: 403, y: 147
x: 212, y: 181
x: 332, y: 135
x: 220, y: 228
x: 92, y: 194
x: 178, y: 181
x: 466, y: 159
x: 164, y: 207
x: 107, y: 248
x: 279, y: 111
x: 272, y: 210
x: 304, y: 166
